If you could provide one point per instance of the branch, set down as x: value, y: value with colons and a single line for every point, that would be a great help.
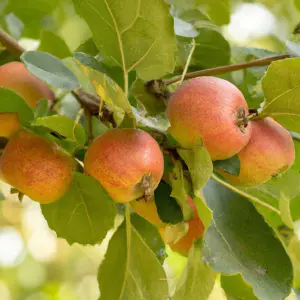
x: 10, y: 44
x: 229, y: 68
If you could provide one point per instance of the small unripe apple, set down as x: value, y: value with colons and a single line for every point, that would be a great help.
x: 128, y: 163
x: 195, y: 231
x: 211, y: 108
x: 270, y: 152
x: 16, y: 77
x: 36, y: 167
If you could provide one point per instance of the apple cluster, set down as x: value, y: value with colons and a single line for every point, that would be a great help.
x: 129, y: 163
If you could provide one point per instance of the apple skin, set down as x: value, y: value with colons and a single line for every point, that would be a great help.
x: 120, y: 158
x: 270, y: 152
x: 209, y: 107
x: 16, y: 77
x: 195, y: 231
x: 36, y: 167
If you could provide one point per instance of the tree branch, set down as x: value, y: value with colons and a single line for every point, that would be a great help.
x: 10, y: 44
x: 229, y: 68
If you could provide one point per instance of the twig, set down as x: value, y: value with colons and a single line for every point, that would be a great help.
x: 244, y: 194
x: 229, y: 68
x: 10, y: 44
x: 88, y: 117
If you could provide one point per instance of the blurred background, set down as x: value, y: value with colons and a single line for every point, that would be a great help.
x: 34, y: 264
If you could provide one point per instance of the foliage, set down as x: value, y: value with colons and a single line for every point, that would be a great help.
x: 127, y: 58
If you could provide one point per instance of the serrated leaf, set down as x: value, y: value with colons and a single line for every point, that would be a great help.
x: 135, y: 34
x: 53, y: 44
x: 168, y: 209
x: 200, y: 166
x: 84, y: 214
x: 150, y: 235
x: 281, y: 86
x: 234, y: 286
x: 179, y: 192
x: 230, y: 165
x: 64, y: 126
x: 284, y: 206
x: 198, y: 279
x: 50, y: 69
x: 14, y: 103
x: 240, y: 241
x: 125, y: 275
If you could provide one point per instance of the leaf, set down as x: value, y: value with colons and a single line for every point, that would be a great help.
x: 240, y: 241
x: 14, y: 103
x: 179, y: 192
x: 168, y: 209
x: 204, y: 212
x: 200, y: 166
x: 217, y: 10
x: 14, y: 24
x: 108, y: 90
x: 198, y: 279
x: 135, y: 34
x: 42, y: 108
x: 131, y: 270
x: 50, y: 69
x: 150, y: 235
x: 90, y: 61
x: 84, y: 214
x: 235, y: 287
x: 284, y: 206
x: 212, y: 50
x: 53, y: 44
x: 159, y: 122
x: 64, y: 126
x: 152, y: 103
x: 281, y: 86
x: 230, y: 165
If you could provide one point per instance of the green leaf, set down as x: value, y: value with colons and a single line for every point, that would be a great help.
x: 212, y: 50
x: 284, y: 206
x: 14, y: 25
x: 240, y: 241
x: 53, y: 44
x: 14, y: 103
x: 235, y: 287
x: 131, y: 270
x: 281, y: 86
x: 42, y: 108
x: 150, y: 235
x: 159, y: 122
x: 168, y: 209
x: 90, y: 61
x: 217, y: 10
x: 64, y: 126
x: 200, y: 166
x: 135, y: 35
x: 153, y: 104
x: 84, y: 214
x: 109, y: 91
x: 198, y: 279
x: 50, y: 69
x: 179, y: 192
x: 204, y: 212
x: 230, y: 165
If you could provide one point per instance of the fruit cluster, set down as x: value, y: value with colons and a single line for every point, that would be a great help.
x: 129, y: 163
